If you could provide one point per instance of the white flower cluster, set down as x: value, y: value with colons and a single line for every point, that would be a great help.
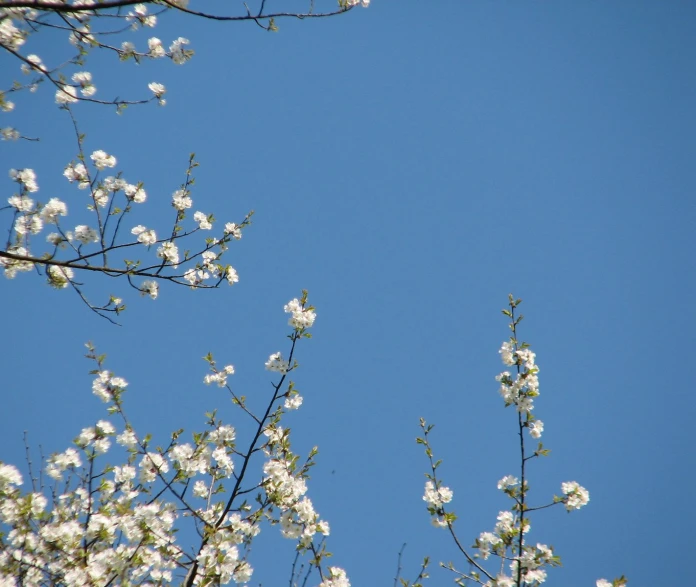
x: 219, y: 558
x: 233, y: 230
x: 77, y: 172
x: 10, y: 36
x: 508, y: 540
x: 300, y: 318
x: 149, y: 288
x: 145, y: 236
x: 59, y: 463
x: 507, y: 481
x: 208, y: 268
x: 530, y: 565
x: 219, y: 561
x: 132, y: 541
x: 9, y: 475
x: 219, y: 377
x: 139, y: 16
x: 66, y: 95
x: 277, y: 363
x: 506, y: 529
x: 84, y: 80
x: 25, y: 178
x: 30, y: 218
x: 13, y: 266
x: 106, y: 386
x: 286, y: 490
x: 203, y: 220
x: 536, y: 428
x: 293, y: 402
x: 525, y: 387
x: 337, y: 576
x: 8, y: 133
x: 96, y: 437
x: 59, y: 277
x: 576, y: 495
x: 301, y: 522
x: 437, y: 497
x: 170, y: 253
x: 531, y: 561
x: 177, y: 50
x: 102, y: 160
x: 107, y: 525
x: 17, y: 23
x: 190, y: 461
x: 181, y: 200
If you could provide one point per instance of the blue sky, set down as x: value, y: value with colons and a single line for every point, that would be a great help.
x: 409, y: 165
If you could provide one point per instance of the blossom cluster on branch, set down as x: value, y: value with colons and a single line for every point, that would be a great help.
x: 526, y: 562
x: 119, y: 27
x: 85, y: 522
x: 101, y: 246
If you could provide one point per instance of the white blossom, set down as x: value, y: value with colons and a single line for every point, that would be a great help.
x: 66, y: 95
x: 233, y: 230
x: 26, y: 178
x: 507, y: 481
x: 157, y: 89
x: 277, y: 363
x: 181, y: 200
x: 9, y: 475
x: 231, y: 276
x: 9, y: 134
x: 203, y: 222
x: 84, y: 80
x: 169, y: 252
x: 178, y: 53
x: 77, y: 173
x: 102, y: 160
x: 294, y: 402
x: 200, y: 489
x: 21, y: 203
x: 437, y: 497
x: 55, y: 238
x: 507, y: 353
x: 150, y: 288
x: 301, y: 317
x: 127, y: 438
x: 51, y: 211
x: 135, y: 193
x: 150, y: 465
x: 127, y: 49
x: 536, y: 428
x: 156, y: 48
x: 139, y: 15
x: 10, y: 35
x: 337, y: 578
x: 85, y: 234
x: 576, y: 495
x: 34, y: 63
x: 145, y: 236
x: 59, y: 277
x: 13, y: 266
x: 28, y: 224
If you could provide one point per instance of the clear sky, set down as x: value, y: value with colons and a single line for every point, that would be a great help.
x: 410, y: 165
